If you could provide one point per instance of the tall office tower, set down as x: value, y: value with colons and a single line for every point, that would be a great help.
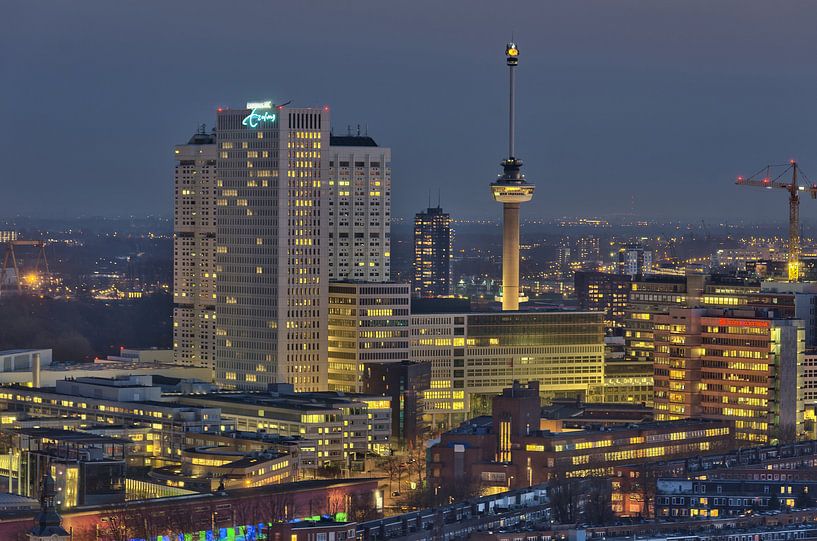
x: 474, y: 356
x: 368, y: 323
x: 432, y: 253
x: 194, y: 252
x: 740, y: 365
x: 511, y: 189
x: 359, y: 209
x: 634, y: 260
x: 271, y: 259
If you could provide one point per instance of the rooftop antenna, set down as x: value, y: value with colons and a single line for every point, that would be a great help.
x: 429, y: 198
x: 202, y: 129
x: 349, y: 130
x: 367, y: 130
x: 438, y: 198
x: 358, y: 130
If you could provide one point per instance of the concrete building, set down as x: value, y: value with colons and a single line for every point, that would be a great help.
x: 129, y: 403
x: 194, y: 251
x: 24, y: 360
x: 634, y: 260
x: 474, y: 356
x: 88, y: 469
x: 627, y: 382
x: 345, y: 426
x: 405, y: 384
x: 432, y: 253
x: 107, y: 368
x: 741, y: 365
x: 654, y: 295
x: 602, y: 292
x: 368, y: 323
x: 271, y: 259
x: 805, y: 304
x: 359, y: 189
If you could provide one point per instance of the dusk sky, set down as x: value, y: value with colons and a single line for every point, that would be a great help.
x: 645, y: 106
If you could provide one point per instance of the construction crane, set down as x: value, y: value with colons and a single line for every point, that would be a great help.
x: 765, y: 179
x: 34, y: 278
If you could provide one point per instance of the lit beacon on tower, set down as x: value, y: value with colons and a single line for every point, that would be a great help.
x: 511, y: 190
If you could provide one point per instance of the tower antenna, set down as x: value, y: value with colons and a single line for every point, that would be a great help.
x: 511, y: 190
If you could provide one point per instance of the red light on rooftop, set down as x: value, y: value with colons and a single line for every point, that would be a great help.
x: 326, y: 108
x: 220, y: 109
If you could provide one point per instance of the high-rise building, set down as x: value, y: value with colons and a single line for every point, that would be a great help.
x: 359, y: 189
x: 368, y: 323
x: 474, y: 356
x: 271, y: 264
x: 602, y: 292
x: 740, y: 365
x: 655, y: 294
x: 194, y: 251
x: 432, y: 253
x: 634, y: 260
x: 511, y: 189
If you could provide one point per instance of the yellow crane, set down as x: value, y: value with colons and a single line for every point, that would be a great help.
x: 763, y: 179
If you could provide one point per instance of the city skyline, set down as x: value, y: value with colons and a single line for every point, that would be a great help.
x: 605, y: 111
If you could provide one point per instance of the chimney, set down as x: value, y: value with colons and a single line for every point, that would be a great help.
x: 35, y: 371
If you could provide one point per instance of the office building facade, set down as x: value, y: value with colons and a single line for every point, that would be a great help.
x: 359, y: 189
x: 368, y: 323
x: 474, y: 356
x: 194, y: 251
x: 739, y: 365
x: 432, y: 253
x: 602, y: 292
x: 634, y: 260
x: 271, y: 258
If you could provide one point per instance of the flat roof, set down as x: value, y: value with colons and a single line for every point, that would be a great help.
x: 18, y: 351
x: 70, y: 436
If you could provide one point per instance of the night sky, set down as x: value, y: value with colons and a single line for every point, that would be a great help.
x: 651, y: 107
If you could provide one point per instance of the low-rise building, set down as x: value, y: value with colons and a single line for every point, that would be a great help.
x: 721, y: 497
x: 128, y: 404
x: 345, y: 426
x: 508, y: 450
x: 88, y: 469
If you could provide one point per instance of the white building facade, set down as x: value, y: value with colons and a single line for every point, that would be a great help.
x: 359, y: 209
x: 368, y: 322
x: 194, y: 252
x: 271, y: 260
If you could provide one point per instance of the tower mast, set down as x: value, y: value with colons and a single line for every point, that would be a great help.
x: 511, y: 190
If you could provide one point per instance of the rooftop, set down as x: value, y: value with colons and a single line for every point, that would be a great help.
x: 351, y: 141
x: 70, y: 436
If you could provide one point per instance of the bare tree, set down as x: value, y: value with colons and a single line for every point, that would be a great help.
x: 392, y: 466
x: 646, y: 485
x: 597, y: 501
x: 564, y: 493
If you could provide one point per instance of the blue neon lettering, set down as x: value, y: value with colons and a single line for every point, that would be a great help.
x: 254, y: 119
